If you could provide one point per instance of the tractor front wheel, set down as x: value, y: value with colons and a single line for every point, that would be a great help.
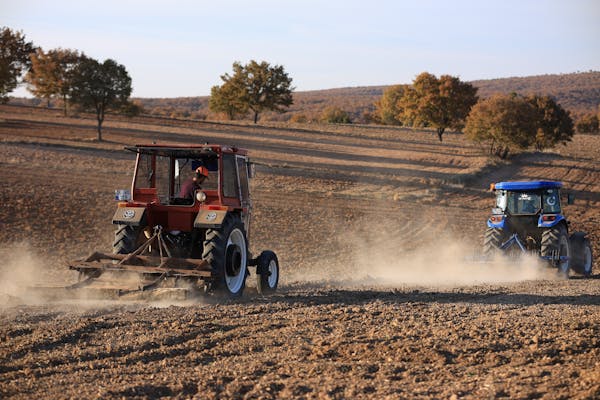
x: 267, y: 271
x: 226, y: 251
x: 581, y: 252
x: 555, y: 247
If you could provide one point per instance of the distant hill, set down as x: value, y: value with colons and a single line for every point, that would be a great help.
x: 577, y: 92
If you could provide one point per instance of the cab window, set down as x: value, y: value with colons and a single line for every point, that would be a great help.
x: 153, y: 172
x: 551, y: 200
x: 230, y: 182
x: 523, y: 202
x: 242, y: 164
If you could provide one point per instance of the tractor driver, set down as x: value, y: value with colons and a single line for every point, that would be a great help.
x: 529, y: 204
x: 193, y: 183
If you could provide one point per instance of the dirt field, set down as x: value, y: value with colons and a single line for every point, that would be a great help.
x: 372, y: 227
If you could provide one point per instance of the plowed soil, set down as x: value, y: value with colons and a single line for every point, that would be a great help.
x: 379, y: 297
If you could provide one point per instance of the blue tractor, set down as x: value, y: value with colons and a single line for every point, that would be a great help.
x: 528, y: 218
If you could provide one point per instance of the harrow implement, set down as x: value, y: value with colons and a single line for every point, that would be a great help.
x: 153, y: 270
x: 160, y: 267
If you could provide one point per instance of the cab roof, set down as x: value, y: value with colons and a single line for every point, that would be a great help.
x: 527, y: 185
x: 186, y: 150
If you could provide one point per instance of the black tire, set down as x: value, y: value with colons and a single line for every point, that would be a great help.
x: 581, y: 254
x: 492, y: 240
x: 226, y: 251
x: 126, y: 239
x: 555, y: 243
x: 267, y: 272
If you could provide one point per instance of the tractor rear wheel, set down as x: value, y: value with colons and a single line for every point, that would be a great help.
x: 555, y: 246
x: 267, y: 271
x: 126, y: 239
x: 492, y: 240
x: 226, y: 251
x: 581, y: 252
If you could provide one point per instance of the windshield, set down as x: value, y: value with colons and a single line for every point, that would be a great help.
x: 529, y: 202
x: 185, y: 169
x: 168, y: 175
x: 518, y: 202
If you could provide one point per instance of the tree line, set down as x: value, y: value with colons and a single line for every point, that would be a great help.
x: 67, y: 74
x: 99, y: 87
x: 503, y: 122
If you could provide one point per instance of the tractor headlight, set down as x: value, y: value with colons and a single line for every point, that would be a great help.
x: 201, y: 196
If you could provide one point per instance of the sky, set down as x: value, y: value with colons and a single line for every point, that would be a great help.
x: 181, y: 48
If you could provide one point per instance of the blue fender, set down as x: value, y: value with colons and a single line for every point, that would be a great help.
x: 549, y: 224
x: 499, y: 225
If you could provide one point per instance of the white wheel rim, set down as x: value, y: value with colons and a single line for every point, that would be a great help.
x: 273, y: 274
x: 235, y: 282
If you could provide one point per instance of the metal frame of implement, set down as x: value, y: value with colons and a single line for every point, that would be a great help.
x: 98, y: 263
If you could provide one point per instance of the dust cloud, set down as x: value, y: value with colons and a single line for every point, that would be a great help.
x: 393, y: 257
x: 20, y: 269
x: 27, y: 278
x: 449, y: 264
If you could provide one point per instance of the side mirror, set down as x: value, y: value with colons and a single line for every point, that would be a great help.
x: 570, y: 199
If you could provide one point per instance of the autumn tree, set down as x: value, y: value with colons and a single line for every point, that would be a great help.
x: 299, y: 118
x: 132, y: 108
x: 335, y: 115
x: 387, y: 108
x: 268, y: 88
x: 100, y: 87
x: 503, y: 122
x: 588, y: 123
x: 231, y: 97
x: 554, y: 123
x: 14, y: 60
x: 51, y: 72
x: 257, y: 86
x: 439, y: 103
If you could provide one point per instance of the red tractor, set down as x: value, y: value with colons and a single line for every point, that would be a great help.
x: 186, y: 219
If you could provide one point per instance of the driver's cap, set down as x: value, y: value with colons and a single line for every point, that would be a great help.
x: 201, y: 171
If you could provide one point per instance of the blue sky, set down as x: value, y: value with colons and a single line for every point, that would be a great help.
x: 181, y: 48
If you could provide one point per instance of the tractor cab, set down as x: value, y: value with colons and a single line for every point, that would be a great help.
x: 159, y: 183
x: 527, y: 206
x: 161, y: 172
x: 529, y: 202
